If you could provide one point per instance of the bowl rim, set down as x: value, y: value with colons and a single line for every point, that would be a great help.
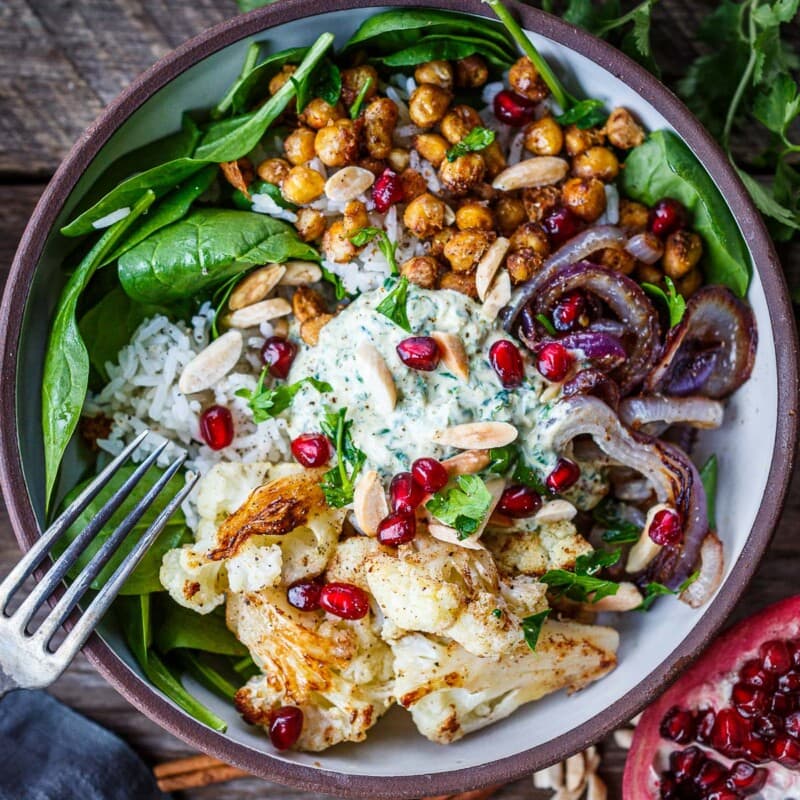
x: 783, y: 338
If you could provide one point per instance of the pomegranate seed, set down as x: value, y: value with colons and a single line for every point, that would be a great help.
x: 396, y: 529
x: 311, y: 449
x: 785, y: 751
x: 666, y: 528
x: 278, y: 354
x: 782, y: 704
x: 775, y: 657
x: 519, y: 501
x: 746, y: 778
x: 667, y: 786
x: 429, y: 474
x: 790, y: 682
x: 767, y: 726
x: 728, y: 733
x: 513, y: 109
x: 561, y: 225
x: 216, y: 427
x: 749, y: 700
x: 686, y: 763
x: 678, y: 725
x: 723, y: 794
x: 405, y: 494
x: 344, y: 600
x: 710, y: 775
x: 564, y: 475
x: 506, y: 361
x: 705, y: 724
x: 304, y: 595
x: 419, y: 352
x: 667, y: 216
x: 752, y: 674
x: 387, y: 190
x: 794, y: 649
x: 569, y: 311
x: 554, y: 361
x: 792, y: 724
x: 756, y: 750
x: 285, y: 727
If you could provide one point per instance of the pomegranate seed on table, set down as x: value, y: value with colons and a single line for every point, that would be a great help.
x: 506, y: 360
x: 285, y: 727
x: 678, y: 726
x: 278, y: 354
x: 564, y: 474
x: 569, y: 311
x: 513, y: 109
x: 405, y: 494
x: 665, y: 528
x: 429, y: 474
x: 775, y: 657
x: 518, y: 501
x: 561, y: 225
x: 666, y: 217
x: 744, y: 776
x: 304, y: 595
x: 398, y: 528
x: 311, y: 449
x: 344, y: 600
x: 387, y: 190
x: 419, y: 352
x: 216, y: 427
x: 554, y: 362
x: 749, y: 701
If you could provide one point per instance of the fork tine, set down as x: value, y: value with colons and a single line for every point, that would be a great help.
x: 65, y: 561
x: 103, y: 599
x: 78, y: 587
x: 28, y: 563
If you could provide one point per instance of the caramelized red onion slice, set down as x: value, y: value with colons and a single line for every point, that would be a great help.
x: 711, y: 351
x: 602, y: 347
x: 593, y: 382
x: 712, y: 568
x: 699, y: 412
x: 645, y: 247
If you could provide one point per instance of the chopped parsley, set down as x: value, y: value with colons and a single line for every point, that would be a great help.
x: 385, y: 245
x: 393, y: 305
x: 617, y: 530
x: 338, y: 483
x: 584, y: 114
x: 582, y: 585
x: 267, y: 402
x: 497, y: 613
x: 532, y: 627
x: 676, y: 305
x: 477, y: 139
x: 654, y: 590
x: 708, y: 475
x: 508, y: 458
x: 546, y: 324
x: 463, y: 506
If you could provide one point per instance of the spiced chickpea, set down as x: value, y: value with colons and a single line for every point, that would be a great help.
x: 509, y: 211
x: 336, y: 244
x: 438, y: 242
x: 540, y: 202
x: 307, y: 304
x: 632, y: 216
x: 422, y: 271
x: 463, y: 282
x: 355, y: 217
x: 424, y: 216
x: 310, y: 224
x: 460, y: 175
x: 337, y: 144
x: 428, y: 104
x: 302, y: 185
x: 471, y: 72
x: 690, y: 283
x: 431, y: 147
x: 617, y: 259
x: 622, y: 130
x: 299, y: 146
x: 398, y: 159
x: 578, y: 141
x: 458, y: 122
x: 584, y: 197
x: 532, y: 236
x: 648, y: 273
x: 525, y: 80
x: 544, y: 137
x: 375, y: 165
x: 439, y: 73
x: 380, y: 119
x: 473, y: 215
x: 413, y: 184
x: 523, y: 264
x: 317, y: 114
x: 682, y: 250
x: 485, y: 191
x: 273, y: 170
x: 596, y: 162
x: 280, y: 78
x: 494, y: 159
x: 464, y: 249
x: 353, y: 81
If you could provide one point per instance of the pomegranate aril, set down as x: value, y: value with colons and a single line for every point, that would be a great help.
x: 304, y: 595
x: 790, y: 682
x: 786, y: 751
x: 564, y: 475
x: 429, y: 474
x: 513, y: 109
x: 728, y: 733
x: 749, y: 701
x: 518, y: 501
x: 506, y: 361
x: 278, y: 354
x: 405, y: 494
x: 705, y: 724
x: 710, y: 775
x: 561, y: 225
x: 285, y: 727
x: 792, y: 724
x: 782, y: 704
x: 753, y: 674
x: 554, y: 361
x: 666, y: 217
x: 723, y: 794
x: 311, y: 449
x: 667, y: 787
x: 419, y: 352
x: 665, y: 527
x: 216, y: 427
x: 775, y: 657
x: 569, y: 312
x: 755, y: 749
x: 396, y: 529
x: 745, y: 778
x: 344, y: 600
x: 686, y: 763
x: 387, y: 190
x: 794, y: 649
x: 678, y: 725
x: 767, y: 726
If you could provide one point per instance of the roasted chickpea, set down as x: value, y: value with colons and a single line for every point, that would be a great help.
x: 273, y: 170
x: 421, y: 270
x: 398, y: 159
x: 473, y: 215
x: 439, y: 73
x: 353, y: 81
x: 336, y: 244
x: 471, y: 72
x: 544, y: 137
x: 525, y: 80
x: 458, y: 122
x: 431, y: 147
x: 299, y: 146
x: 428, y: 104
x: 530, y: 236
x: 461, y: 175
x: 596, y: 162
x: 337, y: 144
x: 632, y: 216
x: 585, y: 197
x: 682, y: 250
x: 485, y: 192
x: 460, y: 282
x: 509, y: 212
x: 649, y: 273
x: 307, y: 304
x: 355, y: 217
x: 523, y: 264
x: 310, y: 329
x: 494, y: 159
x: 424, y: 215
x: 413, y: 184
x: 380, y: 119
x: 540, y: 202
x: 618, y: 259
x: 622, y: 129
x: 282, y: 77
x: 317, y: 114
x: 375, y: 165
x: 310, y: 224
x: 439, y: 240
x: 690, y: 283
x: 578, y: 141
x: 302, y: 185
x: 465, y: 249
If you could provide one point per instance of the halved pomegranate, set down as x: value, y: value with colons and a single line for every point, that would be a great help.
x: 728, y: 728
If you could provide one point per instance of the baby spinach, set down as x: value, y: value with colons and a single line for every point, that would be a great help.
x: 248, y: 65
x: 664, y: 166
x: 255, y: 84
x: 197, y: 665
x: 66, y: 363
x: 674, y: 302
x: 355, y: 109
x: 272, y: 190
x: 178, y: 627
x: 325, y: 82
x: 448, y: 48
x: 584, y: 114
x: 203, y: 250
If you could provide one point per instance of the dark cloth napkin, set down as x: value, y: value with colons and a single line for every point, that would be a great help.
x: 48, y: 752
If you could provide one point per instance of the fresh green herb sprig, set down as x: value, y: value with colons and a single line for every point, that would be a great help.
x: 385, y: 244
x: 532, y: 627
x: 463, y: 506
x: 584, y: 114
x: 266, y: 402
x: 676, y: 305
x: 708, y: 475
x: 476, y: 140
x: 508, y: 459
x: 616, y: 529
x: 338, y: 484
x: 335, y: 281
x: 393, y: 305
x: 654, y: 590
x: 582, y: 585
x: 355, y: 109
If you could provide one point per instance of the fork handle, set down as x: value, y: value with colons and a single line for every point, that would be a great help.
x: 7, y: 684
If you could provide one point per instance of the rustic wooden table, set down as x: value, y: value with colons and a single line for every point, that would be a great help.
x: 61, y: 62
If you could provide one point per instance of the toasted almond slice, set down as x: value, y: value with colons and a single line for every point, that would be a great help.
x: 555, y: 511
x: 595, y: 788
x: 449, y: 215
x: 211, y: 364
x: 497, y: 297
x: 476, y: 435
x: 489, y: 264
x: 348, y: 183
x: 645, y: 549
x: 300, y: 273
x: 574, y: 771
x: 624, y: 738
x: 369, y: 502
x: 255, y: 286
x: 280, y: 327
x: 533, y: 172
x: 627, y: 598
x: 453, y: 354
x: 232, y: 171
x: 467, y: 463
x: 253, y: 315
x: 377, y: 377
x: 592, y: 758
x: 634, y: 721
x: 444, y: 533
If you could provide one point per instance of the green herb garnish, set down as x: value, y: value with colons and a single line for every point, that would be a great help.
x: 708, y: 475
x: 355, y: 109
x: 385, y: 244
x: 338, y: 483
x: 676, y: 305
x: 393, y: 305
x: 654, y: 590
x: 582, y: 585
x: 267, y: 402
x: 497, y: 613
x: 617, y: 530
x: 336, y: 282
x: 503, y: 459
x: 476, y: 140
x: 546, y: 324
x: 532, y: 627
x: 584, y: 114
x: 463, y: 506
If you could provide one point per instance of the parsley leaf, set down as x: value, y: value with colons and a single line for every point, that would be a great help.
x: 532, y: 627
x: 582, y: 585
x: 708, y: 475
x: 676, y: 305
x: 476, y: 140
x: 463, y: 506
x: 336, y: 282
x: 529, y: 477
x: 584, y: 114
x: 385, y: 244
x: 338, y: 484
x: 546, y: 324
x: 503, y: 459
x: 497, y: 613
x: 617, y: 530
x: 269, y: 402
x: 654, y: 590
x: 393, y: 305
x: 355, y: 109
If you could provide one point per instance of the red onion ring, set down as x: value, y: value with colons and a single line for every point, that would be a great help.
x: 645, y: 247
x: 593, y: 382
x: 699, y: 412
x: 712, y: 568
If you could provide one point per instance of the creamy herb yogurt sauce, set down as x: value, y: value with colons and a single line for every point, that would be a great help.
x: 426, y: 401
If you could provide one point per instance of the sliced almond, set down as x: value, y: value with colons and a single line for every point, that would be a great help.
x: 211, y: 364
x: 574, y: 772
x: 497, y: 297
x: 280, y: 327
x: 489, y: 264
x: 300, y: 273
x: 377, y: 377
x: 533, y: 172
x: 476, y: 435
x: 453, y: 354
x: 369, y: 502
x: 592, y: 757
x: 232, y: 170
x: 449, y: 215
x: 627, y: 598
x: 555, y: 511
x: 252, y: 316
x: 595, y: 788
x: 348, y: 183
x: 469, y: 462
x: 444, y: 533
x: 550, y: 778
x: 623, y: 738
x: 255, y: 286
x: 645, y: 549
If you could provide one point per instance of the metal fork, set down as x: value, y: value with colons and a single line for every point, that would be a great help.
x: 28, y: 660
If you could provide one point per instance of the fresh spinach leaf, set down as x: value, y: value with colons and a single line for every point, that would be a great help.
x: 179, y: 627
x: 584, y: 114
x: 338, y: 484
x: 268, y: 402
x: 336, y: 282
x: 199, y: 666
x: 708, y: 475
x: 476, y: 140
x: 262, y: 187
x: 355, y: 109
x: 255, y: 84
x: 463, y: 506
x: 447, y: 48
x: 532, y: 627
x: 325, y: 82
x: 675, y: 304
x: 248, y: 65
x: 385, y: 244
x: 393, y: 305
